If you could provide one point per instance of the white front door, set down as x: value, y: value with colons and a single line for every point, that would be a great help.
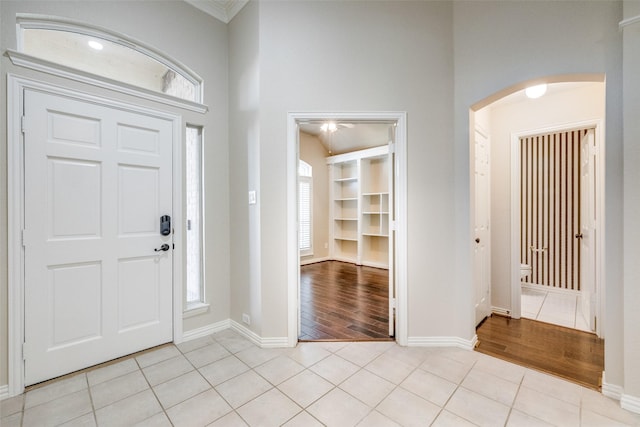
x: 482, y: 268
x: 587, y: 234
x: 97, y: 181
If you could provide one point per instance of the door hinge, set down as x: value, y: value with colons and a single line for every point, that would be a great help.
x: 393, y: 303
x: 24, y: 351
x: 23, y: 126
x: 24, y: 243
x: 392, y: 225
x: 392, y: 147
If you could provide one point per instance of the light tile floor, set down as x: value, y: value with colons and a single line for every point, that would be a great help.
x: 561, y: 309
x: 225, y: 380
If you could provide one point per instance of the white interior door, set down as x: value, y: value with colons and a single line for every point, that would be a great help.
x: 588, y: 230
x: 392, y: 233
x: 97, y: 180
x: 482, y: 267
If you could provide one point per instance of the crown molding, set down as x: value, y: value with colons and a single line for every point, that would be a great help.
x: 629, y: 21
x: 223, y: 10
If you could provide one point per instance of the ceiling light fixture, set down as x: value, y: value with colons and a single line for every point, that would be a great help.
x: 537, y: 91
x: 329, y: 127
x: 95, y: 45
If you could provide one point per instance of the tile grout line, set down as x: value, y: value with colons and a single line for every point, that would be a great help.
x: 93, y: 406
x: 458, y: 386
x: 515, y: 397
x: 164, y: 411
x: 214, y: 340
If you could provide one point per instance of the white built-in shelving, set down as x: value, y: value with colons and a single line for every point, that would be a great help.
x: 360, y: 207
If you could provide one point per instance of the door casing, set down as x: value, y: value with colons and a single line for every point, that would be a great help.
x: 516, y: 293
x: 16, y: 86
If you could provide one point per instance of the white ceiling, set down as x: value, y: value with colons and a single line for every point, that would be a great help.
x: 224, y: 10
x: 552, y: 89
x: 350, y: 135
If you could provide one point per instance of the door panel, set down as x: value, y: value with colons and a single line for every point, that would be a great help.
x: 97, y: 180
x: 587, y: 227
x: 482, y: 268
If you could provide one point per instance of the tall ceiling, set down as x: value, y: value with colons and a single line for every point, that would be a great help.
x: 224, y: 10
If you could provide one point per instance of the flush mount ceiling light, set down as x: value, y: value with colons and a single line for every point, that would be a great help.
x: 537, y: 91
x: 95, y: 45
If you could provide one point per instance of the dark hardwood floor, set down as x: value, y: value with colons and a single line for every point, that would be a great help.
x: 342, y: 301
x: 568, y: 353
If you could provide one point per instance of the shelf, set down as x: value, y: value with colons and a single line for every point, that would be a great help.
x: 376, y: 194
x: 348, y: 239
x: 361, y: 191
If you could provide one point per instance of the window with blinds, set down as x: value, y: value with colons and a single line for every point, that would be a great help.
x: 305, y: 208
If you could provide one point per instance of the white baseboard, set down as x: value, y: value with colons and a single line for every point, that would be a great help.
x: 206, y: 330
x: 611, y: 390
x: 4, y: 392
x: 501, y: 311
x: 442, y: 342
x: 630, y: 403
x: 314, y: 260
x: 269, y: 342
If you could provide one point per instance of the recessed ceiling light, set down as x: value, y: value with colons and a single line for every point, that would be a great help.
x: 95, y: 45
x: 537, y: 91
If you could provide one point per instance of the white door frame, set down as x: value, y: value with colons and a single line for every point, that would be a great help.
x: 400, y: 226
x: 16, y: 85
x: 600, y: 221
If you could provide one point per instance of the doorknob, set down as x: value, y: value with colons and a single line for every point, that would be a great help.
x: 162, y: 248
x: 579, y: 236
x: 477, y: 240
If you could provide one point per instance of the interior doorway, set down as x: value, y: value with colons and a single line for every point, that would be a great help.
x: 530, y: 143
x: 566, y: 106
x: 348, y: 197
x: 558, y: 231
x: 345, y: 211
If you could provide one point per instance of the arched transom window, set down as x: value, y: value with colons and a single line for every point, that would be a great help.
x: 101, y: 52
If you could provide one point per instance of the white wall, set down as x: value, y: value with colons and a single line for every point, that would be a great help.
x: 313, y: 152
x: 244, y: 152
x: 192, y: 34
x: 631, y: 209
x: 565, y: 107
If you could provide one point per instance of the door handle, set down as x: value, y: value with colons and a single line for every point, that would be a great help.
x: 579, y: 236
x: 162, y: 248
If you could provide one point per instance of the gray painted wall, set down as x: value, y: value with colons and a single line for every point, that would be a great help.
x: 432, y: 59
